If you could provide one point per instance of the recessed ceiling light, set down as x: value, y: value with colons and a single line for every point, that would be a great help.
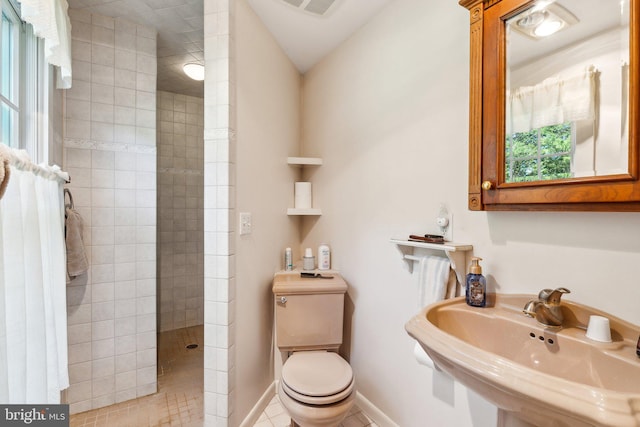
x: 531, y: 20
x: 193, y: 70
x: 543, y: 19
x: 548, y: 27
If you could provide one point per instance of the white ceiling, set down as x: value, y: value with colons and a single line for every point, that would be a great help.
x: 593, y: 16
x: 305, y: 37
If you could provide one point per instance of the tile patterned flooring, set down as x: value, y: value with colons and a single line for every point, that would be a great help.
x: 179, y: 401
x: 275, y: 416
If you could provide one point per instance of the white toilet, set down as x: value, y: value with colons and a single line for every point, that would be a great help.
x: 317, y: 386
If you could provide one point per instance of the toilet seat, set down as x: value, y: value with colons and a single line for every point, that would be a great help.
x: 317, y: 377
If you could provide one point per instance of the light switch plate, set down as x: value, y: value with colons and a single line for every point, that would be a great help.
x: 245, y: 223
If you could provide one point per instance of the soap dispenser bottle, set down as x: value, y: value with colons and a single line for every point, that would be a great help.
x: 476, y: 285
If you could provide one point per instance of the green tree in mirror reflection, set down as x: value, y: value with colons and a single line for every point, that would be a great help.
x: 539, y: 154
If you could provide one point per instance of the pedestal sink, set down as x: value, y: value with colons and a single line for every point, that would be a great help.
x: 544, y: 376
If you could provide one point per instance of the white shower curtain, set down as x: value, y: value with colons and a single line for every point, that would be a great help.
x: 33, y: 317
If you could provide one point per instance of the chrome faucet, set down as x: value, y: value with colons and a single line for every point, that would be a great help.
x: 546, y: 309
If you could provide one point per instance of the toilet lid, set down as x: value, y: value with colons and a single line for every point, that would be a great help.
x: 317, y: 377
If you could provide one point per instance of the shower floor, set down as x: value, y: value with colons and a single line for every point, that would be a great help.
x: 178, y: 401
x: 180, y: 393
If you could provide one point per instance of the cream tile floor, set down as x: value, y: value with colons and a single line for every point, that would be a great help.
x: 275, y: 416
x: 179, y: 401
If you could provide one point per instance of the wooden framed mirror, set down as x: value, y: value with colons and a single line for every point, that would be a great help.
x: 554, y: 114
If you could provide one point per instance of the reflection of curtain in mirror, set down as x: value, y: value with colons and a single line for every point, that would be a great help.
x: 624, y: 123
x: 33, y: 315
x: 556, y: 100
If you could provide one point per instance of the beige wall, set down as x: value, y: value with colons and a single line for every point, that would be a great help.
x: 268, y: 131
x: 388, y: 113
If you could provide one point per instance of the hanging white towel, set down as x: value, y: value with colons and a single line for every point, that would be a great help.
x: 436, y: 281
x: 433, y: 279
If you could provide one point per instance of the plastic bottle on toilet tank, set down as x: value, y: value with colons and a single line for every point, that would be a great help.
x: 324, y: 257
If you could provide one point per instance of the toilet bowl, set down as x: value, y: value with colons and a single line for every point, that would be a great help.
x: 316, y: 388
x: 317, y: 385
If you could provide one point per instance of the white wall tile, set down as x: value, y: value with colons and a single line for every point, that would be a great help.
x: 102, y: 292
x: 146, y: 375
x: 102, y: 178
x: 125, y: 381
x: 103, y: 386
x: 125, y: 271
x: 80, y: 333
x: 125, y: 79
x: 146, y: 322
x: 103, y: 74
x: 102, y: 93
x: 125, y: 97
x: 103, y: 55
x: 125, y: 116
x: 122, y: 25
x: 78, y: 129
x: 124, y: 326
x: 102, y: 236
x: 79, y: 372
x: 125, y: 41
x: 124, y: 161
x: 111, y: 110
x: 125, y: 353
x: 125, y: 60
x: 78, y: 110
x: 103, y: 367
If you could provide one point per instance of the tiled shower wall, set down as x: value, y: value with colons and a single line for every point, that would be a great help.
x: 219, y: 209
x: 110, y: 153
x: 180, y: 211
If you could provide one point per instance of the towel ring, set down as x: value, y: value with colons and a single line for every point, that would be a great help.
x: 67, y: 192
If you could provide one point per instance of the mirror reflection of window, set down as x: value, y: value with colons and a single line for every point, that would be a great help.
x: 566, y: 82
x: 540, y: 154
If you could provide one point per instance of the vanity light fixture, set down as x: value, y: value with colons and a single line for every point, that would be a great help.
x: 193, y: 70
x: 545, y: 19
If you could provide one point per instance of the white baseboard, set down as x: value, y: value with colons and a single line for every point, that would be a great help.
x: 373, y: 412
x: 259, y: 407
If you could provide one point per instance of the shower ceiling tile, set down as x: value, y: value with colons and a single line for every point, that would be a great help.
x: 180, y: 25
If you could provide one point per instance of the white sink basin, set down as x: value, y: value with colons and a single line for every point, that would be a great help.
x: 545, y: 376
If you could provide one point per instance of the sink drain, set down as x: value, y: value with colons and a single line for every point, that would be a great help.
x: 192, y: 346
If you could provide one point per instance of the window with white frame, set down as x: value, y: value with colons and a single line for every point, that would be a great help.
x: 22, y: 84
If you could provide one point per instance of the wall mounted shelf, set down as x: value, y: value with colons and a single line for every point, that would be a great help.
x: 456, y: 252
x: 302, y: 162
x: 307, y: 212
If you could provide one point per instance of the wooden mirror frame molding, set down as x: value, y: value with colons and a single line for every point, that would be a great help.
x: 487, y: 189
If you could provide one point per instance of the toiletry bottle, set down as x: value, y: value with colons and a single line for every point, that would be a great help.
x: 324, y: 257
x: 476, y: 285
x: 308, y: 261
x: 288, y: 259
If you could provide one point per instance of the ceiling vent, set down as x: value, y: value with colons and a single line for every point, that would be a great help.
x: 316, y: 7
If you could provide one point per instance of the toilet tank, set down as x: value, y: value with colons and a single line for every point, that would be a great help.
x: 309, y: 312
